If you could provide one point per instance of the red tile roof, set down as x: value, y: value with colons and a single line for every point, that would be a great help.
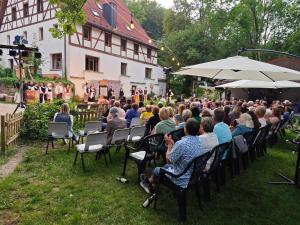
x: 289, y: 63
x: 123, y: 21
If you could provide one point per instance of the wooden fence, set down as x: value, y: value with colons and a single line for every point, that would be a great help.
x: 88, y: 115
x: 11, y: 125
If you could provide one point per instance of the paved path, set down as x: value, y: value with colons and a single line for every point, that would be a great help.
x: 8, y: 108
x: 11, y: 165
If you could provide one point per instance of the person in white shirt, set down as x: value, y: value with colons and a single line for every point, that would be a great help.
x: 208, y: 138
x: 260, y: 112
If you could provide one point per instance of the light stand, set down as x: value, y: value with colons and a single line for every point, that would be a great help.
x: 19, y: 46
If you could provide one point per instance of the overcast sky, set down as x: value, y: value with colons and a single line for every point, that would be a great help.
x: 166, y: 3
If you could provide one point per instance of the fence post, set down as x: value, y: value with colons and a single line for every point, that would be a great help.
x: 3, y: 141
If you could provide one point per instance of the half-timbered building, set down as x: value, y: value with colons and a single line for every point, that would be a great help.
x: 107, y: 48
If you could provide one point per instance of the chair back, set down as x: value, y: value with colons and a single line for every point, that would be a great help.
x: 217, y: 154
x: 95, y: 139
x: 264, y: 132
x: 120, y: 136
x: 199, y: 164
x: 58, y: 129
x: 137, y: 132
x: 151, y: 144
x: 92, y: 127
x: 177, y: 134
x: 136, y: 121
x: 250, y: 136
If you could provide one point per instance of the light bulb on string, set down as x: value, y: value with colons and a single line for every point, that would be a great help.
x: 178, y: 64
x: 150, y: 41
x: 173, y: 59
x: 162, y: 48
x: 131, y: 23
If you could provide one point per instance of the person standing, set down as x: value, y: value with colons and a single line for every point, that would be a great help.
x: 43, y: 91
x: 59, y: 90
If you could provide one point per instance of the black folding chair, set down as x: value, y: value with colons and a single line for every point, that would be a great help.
x: 144, y: 152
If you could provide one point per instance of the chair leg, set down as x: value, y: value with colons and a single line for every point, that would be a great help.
x: 206, y: 188
x: 47, y: 146
x: 82, y: 162
x: 52, y: 142
x: 104, y: 154
x: 109, y: 155
x: 124, y: 167
x: 69, y: 145
x: 76, y: 155
x: 156, y: 196
x: 181, y: 199
x: 217, y: 181
x: 198, y: 195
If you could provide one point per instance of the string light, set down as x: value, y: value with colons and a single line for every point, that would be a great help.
x: 173, y: 59
x: 150, y: 41
x: 131, y: 23
x: 178, y: 64
x: 162, y: 48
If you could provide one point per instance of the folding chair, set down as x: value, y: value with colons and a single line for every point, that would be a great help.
x: 177, y: 134
x: 90, y: 127
x: 135, y: 122
x: 120, y: 138
x: 58, y: 130
x: 136, y: 134
x: 95, y: 143
x: 144, y: 152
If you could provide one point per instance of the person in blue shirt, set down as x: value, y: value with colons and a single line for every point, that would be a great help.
x: 132, y: 113
x: 245, y: 125
x: 221, y: 129
x: 178, y: 156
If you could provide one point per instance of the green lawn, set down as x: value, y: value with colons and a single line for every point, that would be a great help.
x: 47, y: 189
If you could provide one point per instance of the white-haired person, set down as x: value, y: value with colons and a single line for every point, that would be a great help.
x: 114, y: 123
x: 245, y: 124
x: 207, y: 136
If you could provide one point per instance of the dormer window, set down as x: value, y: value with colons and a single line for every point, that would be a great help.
x: 25, y: 9
x: 136, y: 49
x: 99, y: 5
x: 87, y: 31
x: 13, y: 13
x: 108, y: 38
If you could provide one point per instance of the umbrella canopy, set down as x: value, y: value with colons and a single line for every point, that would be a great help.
x: 260, y: 84
x: 240, y: 68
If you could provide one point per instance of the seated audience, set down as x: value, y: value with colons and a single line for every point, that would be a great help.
x: 166, y: 125
x: 208, y: 138
x: 196, y: 113
x: 227, y: 119
x: 153, y: 120
x: 221, y: 129
x: 186, y: 114
x: 260, y: 112
x: 146, y: 115
x: 245, y: 124
x: 114, y: 123
x: 121, y: 112
x: 178, y: 157
x: 255, y: 120
x: 132, y: 113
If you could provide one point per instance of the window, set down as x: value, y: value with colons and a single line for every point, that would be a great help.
x: 57, y: 61
x: 87, y: 33
x: 108, y: 38
x: 8, y: 39
x: 92, y: 63
x: 123, y: 45
x: 123, y: 69
x: 148, y: 72
x: 149, y: 53
x: 41, y: 34
x: 136, y: 49
x: 40, y: 6
x: 25, y: 9
x: 13, y: 14
x: 25, y: 35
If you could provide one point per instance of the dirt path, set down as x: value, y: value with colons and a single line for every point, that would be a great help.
x: 10, y: 166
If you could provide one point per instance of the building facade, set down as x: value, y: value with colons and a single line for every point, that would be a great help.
x: 107, y: 50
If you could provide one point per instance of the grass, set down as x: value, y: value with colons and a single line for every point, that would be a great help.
x: 5, y: 157
x: 47, y: 189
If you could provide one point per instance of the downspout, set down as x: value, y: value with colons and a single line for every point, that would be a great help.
x: 65, y: 57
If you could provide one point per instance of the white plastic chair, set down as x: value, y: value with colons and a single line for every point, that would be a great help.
x: 136, y: 134
x: 58, y: 130
x: 120, y: 137
x: 135, y: 122
x: 90, y: 127
x: 95, y: 143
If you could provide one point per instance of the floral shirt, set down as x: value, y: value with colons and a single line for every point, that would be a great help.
x: 183, y: 152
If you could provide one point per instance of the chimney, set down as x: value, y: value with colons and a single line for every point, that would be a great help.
x: 110, y: 14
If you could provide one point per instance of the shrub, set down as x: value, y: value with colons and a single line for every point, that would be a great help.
x: 36, y: 118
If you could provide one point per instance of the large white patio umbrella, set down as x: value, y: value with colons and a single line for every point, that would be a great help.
x: 260, y: 84
x: 240, y: 68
